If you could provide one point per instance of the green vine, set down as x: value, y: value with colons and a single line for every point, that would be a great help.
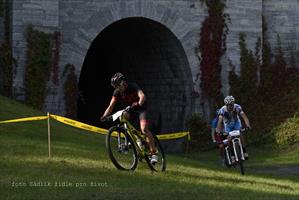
x: 38, y: 66
x: 6, y: 59
x: 70, y: 91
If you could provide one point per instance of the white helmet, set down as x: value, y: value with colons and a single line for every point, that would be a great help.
x: 229, y: 100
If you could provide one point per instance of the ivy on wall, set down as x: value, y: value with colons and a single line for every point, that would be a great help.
x: 38, y: 66
x: 55, y: 57
x: 70, y: 91
x: 247, y: 83
x: 245, y: 86
x: 212, y: 45
x: 266, y: 72
x: 6, y: 59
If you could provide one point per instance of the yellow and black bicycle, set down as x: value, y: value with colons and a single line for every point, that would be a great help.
x: 126, y: 145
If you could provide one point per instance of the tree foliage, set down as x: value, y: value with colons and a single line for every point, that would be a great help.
x: 70, y: 91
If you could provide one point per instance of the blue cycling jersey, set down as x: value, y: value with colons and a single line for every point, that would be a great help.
x: 231, y: 119
x: 214, y: 122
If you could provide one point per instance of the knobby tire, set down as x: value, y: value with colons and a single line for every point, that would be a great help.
x: 112, y: 152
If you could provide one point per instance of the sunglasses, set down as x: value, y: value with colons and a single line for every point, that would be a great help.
x: 121, y: 83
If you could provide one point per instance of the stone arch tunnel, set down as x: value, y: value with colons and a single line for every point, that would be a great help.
x: 148, y: 53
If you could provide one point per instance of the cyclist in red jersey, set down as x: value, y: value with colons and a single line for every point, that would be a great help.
x: 132, y: 95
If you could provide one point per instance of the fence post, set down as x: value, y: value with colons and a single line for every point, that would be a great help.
x: 49, y: 135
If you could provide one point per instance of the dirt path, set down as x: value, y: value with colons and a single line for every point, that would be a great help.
x: 285, y: 170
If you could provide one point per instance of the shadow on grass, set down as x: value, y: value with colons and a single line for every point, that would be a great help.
x: 126, y: 185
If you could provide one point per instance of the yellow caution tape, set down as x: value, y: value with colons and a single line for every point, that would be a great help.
x: 88, y: 127
x: 25, y: 119
x: 173, y: 136
x: 79, y: 124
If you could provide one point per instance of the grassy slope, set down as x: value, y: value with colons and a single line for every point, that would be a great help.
x: 80, y: 157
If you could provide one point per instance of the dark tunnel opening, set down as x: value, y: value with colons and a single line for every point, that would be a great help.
x: 149, y: 54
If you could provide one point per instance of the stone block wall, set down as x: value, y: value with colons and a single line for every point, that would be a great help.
x: 80, y: 21
x: 43, y: 15
x: 282, y: 18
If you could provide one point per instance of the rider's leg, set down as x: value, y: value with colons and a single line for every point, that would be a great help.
x: 243, y: 141
x: 221, y: 151
x: 219, y: 139
x: 227, y: 129
x: 244, y: 146
x: 148, y: 134
x: 238, y: 127
x: 127, y: 115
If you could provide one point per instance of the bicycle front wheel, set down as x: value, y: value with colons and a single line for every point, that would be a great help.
x: 121, y: 149
x: 241, y: 162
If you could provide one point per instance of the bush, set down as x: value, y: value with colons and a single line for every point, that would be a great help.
x: 287, y: 133
x: 199, y: 132
x: 197, y: 126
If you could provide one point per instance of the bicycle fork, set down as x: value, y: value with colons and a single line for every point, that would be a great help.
x: 237, y: 141
x: 122, y: 145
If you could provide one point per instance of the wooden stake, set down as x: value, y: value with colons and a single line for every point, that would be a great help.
x: 49, y: 135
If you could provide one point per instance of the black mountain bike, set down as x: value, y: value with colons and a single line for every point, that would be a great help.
x: 126, y: 145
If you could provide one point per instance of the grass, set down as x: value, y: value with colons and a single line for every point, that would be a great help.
x: 80, y: 168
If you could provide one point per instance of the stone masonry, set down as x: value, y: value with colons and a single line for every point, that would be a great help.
x: 81, y: 21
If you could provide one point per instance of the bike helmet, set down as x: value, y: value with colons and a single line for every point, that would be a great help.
x: 116, y: 79
x: 229, y: 100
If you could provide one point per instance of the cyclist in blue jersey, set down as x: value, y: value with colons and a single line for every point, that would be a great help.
x: 217, y: 136
x: 214, y: 126
x: 229, y: 119
x: 130, y: 94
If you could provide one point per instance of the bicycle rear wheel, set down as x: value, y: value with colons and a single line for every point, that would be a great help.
x: 161, y: 164
x: 121, y: 149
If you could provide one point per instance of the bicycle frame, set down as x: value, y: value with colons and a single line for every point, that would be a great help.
x: 237, y: 141
x: 131, y: 130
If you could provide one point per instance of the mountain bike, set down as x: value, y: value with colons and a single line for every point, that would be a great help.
x: 126, y: 145
x: 234, y: 155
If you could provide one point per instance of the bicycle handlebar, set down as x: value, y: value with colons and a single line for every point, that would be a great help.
x: 110, y: 117
x: 106, y: 119
x: 241, y: 130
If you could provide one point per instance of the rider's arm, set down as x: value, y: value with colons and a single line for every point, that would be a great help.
x: 141, y: 96
x: 245, y: 118
x: 213, y: 128
x: 219, y: 124
x: 213, y: 134
x: 110, y: 107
